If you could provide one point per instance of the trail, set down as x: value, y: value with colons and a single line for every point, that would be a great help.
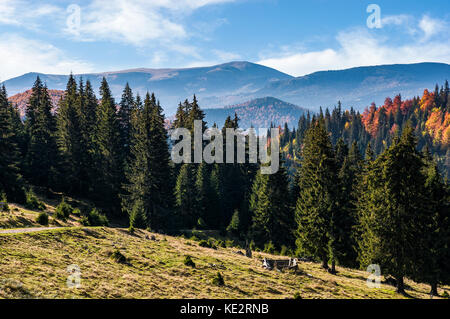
x: 25, y: 230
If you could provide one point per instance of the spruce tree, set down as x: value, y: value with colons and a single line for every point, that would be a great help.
x: 41, y: 158
x: 273, y: 218
x: 70, y: 139
x: 148, y: 176
x: 317, y: 197
x: 392, y: 212
x: 108, y: 151
x: 11, y: 182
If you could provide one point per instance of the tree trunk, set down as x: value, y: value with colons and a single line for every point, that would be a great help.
x: 333, y: 267
x: 325, y: 262
x: 400, y: 285
x: 434, y: 289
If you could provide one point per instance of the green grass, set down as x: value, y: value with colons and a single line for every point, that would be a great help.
x: 34, y: 265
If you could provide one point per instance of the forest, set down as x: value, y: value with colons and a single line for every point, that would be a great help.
x: 354, y: 190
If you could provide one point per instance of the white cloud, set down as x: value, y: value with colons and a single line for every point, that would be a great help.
x: 430, y: 26
x: 24, y: 13
x: 359, y: 47
x: 138, y: 22
x: 23, y: 55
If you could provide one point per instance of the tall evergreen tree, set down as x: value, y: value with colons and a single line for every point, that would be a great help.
x: 392, y: 210
x: 149, y: 173
x: 108, y: 151
x: 10, y: 179
x: 70, y: 139
x: 41, y: 158
x: 317, y: 197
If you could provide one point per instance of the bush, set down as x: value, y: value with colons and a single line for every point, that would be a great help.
x: 63, y: 210
x: 76, y: 212
x: 269, y: 248
x: 138, y: 218
x: 42, y: 218
x: 221, y: 243
x: 297, y: 295
x: 218, y: 280
x: 189, y: 262
x: 207, y: 244
x: 201, y: 223
x: 32, y: 202
x: 3, y: 203
x: 234, y: 226
x: 94, y: 218
x: 118, y: 257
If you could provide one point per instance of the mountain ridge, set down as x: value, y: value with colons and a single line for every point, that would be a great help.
x: 240, y: 81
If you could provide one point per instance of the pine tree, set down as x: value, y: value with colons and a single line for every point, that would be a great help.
x: 148, y: 176
x: 127, y: 105
x: 70, y: 139
x: 273, y: 218
x: 317, y: 197
x: 108, y: 151
x: 185, y: 196
x: 11, y: 182
x: 393, y: 208
x: 432, y: 259
x: 41, y: 158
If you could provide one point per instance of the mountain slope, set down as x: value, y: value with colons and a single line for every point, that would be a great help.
x: 358, y: 87
x: 237, y: 82
x: 258, y: 112
x: 216, y: 85
x: 35, y: 265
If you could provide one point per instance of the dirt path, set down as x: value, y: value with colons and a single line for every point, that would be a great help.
x: 25, y: 230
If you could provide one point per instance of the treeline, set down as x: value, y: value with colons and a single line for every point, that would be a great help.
x: 341, y: 207
x: 429, y: 115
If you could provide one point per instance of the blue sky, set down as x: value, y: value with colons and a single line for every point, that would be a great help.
x: 294, y: 36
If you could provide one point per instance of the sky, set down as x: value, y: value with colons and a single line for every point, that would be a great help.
x: 297, y: 37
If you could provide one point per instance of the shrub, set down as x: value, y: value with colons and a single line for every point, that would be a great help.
x: 218, y: 280
x: 221, y: 243
x: 84, y: 221
x: 97, y: 219
x: 76, y: 212
x: 131, y: 229
x: 269, y: 248
x: 138, y: 218
x: 3, y: 203
x: 189, y: 262
x: 32, y: 202
x: 207, y: 244
x: 63, y: 210
x: 118, y: 256
x: 297, y: 295
x: 201, y: 223
x: 234, y: 226
x: 42, y: 218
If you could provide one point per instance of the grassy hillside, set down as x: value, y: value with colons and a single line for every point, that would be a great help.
x: 34, y: 265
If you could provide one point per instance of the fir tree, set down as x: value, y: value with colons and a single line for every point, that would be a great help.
x: 317, y: 197
x: 10, y: 179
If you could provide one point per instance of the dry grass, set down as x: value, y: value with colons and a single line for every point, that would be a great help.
x: 34, y: 265
x: 20, y: 217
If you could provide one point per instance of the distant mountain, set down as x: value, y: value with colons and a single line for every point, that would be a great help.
x: 21, y: 99
x: 259, y: 112
x: 237, y: 82
x: 223, y: 84
x: 358, y: 87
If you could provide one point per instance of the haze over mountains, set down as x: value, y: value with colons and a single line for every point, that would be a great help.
x: 239, y: 82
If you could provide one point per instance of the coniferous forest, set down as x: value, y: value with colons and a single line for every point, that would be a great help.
x: 353, y: 189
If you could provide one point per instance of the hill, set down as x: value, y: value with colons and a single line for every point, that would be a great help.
x: 21, y: 99
x: 358, y: 87
x: 34, y: 265
x: 258, y: 112
x: 237, y: 82
x: 216, y: 85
